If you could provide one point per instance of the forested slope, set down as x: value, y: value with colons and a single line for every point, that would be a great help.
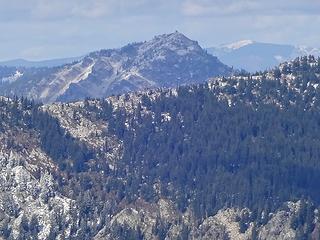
x: 234, y: 158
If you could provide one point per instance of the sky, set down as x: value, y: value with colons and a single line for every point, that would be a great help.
x: 46, y: 29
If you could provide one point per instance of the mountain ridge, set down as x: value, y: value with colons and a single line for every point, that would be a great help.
x: 259, y: 56
x: 20, y: 62
x: 165, y: 61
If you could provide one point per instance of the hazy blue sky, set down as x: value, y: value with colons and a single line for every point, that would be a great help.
x: 41, y: 29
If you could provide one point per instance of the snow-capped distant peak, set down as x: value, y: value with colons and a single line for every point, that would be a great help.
x: 237, y: 45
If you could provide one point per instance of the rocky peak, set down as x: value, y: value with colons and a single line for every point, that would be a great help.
x: 166, y: 60
x: 176, y: 42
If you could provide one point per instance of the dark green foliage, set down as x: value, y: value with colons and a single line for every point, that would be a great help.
x: 124, y: 232
x: 28, y: 230
x: 303, y: 221
x: 184, y: 234
x: 244, y: 221
x: 69, y: 153
x: 160, y: 229
x: 58, y: 144
x: 250, y: 155
x: 34, y: 226
x: 5, y: 230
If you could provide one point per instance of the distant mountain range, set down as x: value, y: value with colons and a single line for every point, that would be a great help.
x: 257, y: 56
x: 42, y: 63
x: 165, y: 61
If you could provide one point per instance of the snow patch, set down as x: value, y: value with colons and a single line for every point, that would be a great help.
x: 13, y: 77
x: 239, y: 44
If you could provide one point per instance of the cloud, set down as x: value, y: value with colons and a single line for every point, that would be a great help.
x: 21, y: 10
x: 202, y: 8
x: 33, y: 52
x: 217, y: 7
x: 61, y: 9
x: 49, y: 10
x: 62, y: 28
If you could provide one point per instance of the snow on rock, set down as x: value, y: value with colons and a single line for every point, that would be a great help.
x: 239, y: 44
x: 144, y: 216
x: 22, y: 195
x: 14, y: 77
x: 61, y: 80
x: 223, y: 225
x: 88, y: 129
x: 279, y: 226
x: 27, y: 150
x: 167, y: 210
x: 72, y: 119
